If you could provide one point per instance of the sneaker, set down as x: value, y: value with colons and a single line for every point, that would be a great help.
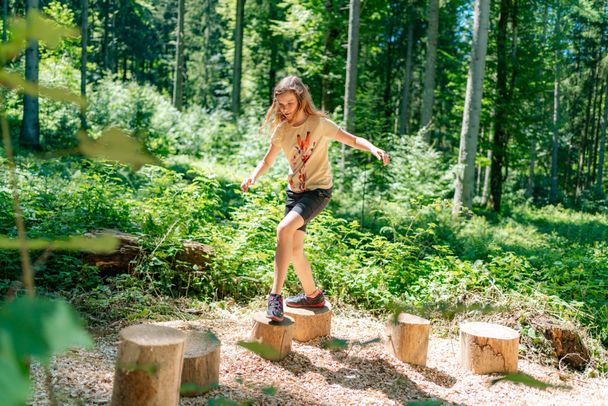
x: 275, y: 307
x: 302, y: 300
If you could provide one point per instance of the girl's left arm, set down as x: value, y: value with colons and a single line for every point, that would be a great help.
x: 362, y: 144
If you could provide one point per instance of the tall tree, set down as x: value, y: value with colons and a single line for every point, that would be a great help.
x: 431, y: 63
x: 602, y: 141
x: 556, y: 111
x: 351, y: 65
x: 4, y: 18
x: 84, y: 29
x: 238, y: 57
x: 178, y: 84
x: 463, y: 195
x: 404, y: 107
x: 30, y: 128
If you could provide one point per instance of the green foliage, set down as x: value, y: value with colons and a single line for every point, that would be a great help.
x: 527, y: 380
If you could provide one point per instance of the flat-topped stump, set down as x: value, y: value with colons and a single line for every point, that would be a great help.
x: 408, y: 338
x: 310, y: 323
x: 487, y: 348
x: 149, y: 365
x: 276, y: 335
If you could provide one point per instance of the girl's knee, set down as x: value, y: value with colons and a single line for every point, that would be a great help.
x: 285, y: 230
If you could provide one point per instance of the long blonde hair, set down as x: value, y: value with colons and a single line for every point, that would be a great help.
x: 300, y: 90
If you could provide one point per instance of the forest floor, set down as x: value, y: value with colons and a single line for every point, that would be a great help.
x: 312, y: 375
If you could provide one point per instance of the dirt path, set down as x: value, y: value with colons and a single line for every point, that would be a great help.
x: 311, y: 375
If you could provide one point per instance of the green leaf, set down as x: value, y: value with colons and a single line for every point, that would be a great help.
x: 40, y: 328
x: 14, y: 81
x: 221, y: 401
x: 14, y: 383
x: 263, y: 350
x: 116, y: 145
x: 527, y: 380
x: 269, y: 390
x: 368, y: 342
x: 45, y: 29
x: 150, y: 368
x: 335, y: 344
x: 425, y: 402
x: 191, y: 387
x: 103, y: 244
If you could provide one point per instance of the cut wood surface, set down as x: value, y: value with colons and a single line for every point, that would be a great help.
x: 130, y: 247
x: 408, y: 338
x: 487, y: 348
x: 277, y: 335
x: 310, y: 323
x: 149, y: 365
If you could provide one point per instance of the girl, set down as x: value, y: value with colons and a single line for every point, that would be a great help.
x: 303, y: 133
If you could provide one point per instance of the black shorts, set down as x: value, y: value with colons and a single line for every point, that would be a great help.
x: 307, y: 204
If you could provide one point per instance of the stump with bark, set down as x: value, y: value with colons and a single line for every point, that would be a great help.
x: 310, y: 323
x: 487, y: 348
x: 276, y: 335
x: 567, y: 344
x: 408, y: 338
x: 149, y: 366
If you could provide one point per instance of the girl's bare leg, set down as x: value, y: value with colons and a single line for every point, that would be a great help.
x: 301, y: 264
x: 285, y: 238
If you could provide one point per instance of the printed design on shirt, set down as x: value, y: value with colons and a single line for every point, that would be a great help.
x: 302, y: 152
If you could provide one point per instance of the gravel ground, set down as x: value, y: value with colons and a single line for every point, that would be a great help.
x: 311, y: 375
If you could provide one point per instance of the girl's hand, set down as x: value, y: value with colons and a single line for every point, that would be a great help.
x: 246, y: 183
x: 381, y: 155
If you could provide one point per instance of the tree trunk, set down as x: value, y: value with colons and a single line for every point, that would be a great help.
x: 351, y: 65
x: 178, y: 84
x: 486, y: 181
x: 388, y: 68
x: 598, y: 126
x: 4, y: 19
x: 238, y: 58
x: 404, y: 127
x: 83, y: 59
x: 330, y: 35
x: 274, y: 54
x: 602, y: 142
x: 488, y: 348
x: 30, y: 129
x: 556, y: 95
x: 431, y: 59
x: 310, y: 323
x: 105, y: 16
x: 276, y: 336
x: 465, y: 184
x: 408, y: 338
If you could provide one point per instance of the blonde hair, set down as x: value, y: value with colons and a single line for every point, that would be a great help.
x: 300, y: 90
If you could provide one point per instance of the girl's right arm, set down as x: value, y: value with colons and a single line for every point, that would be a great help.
x: 271, y: 155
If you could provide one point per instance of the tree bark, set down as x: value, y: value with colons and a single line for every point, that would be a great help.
x: 488, y: 348
x: 465, y: 177
x: 351, y: 65
x: 178, y: 84
x: 431, y: 61
x: 30, y: 129
x: 310, y: 323
x: 408, y: 338
x: 602, y: 142
x: 330, y: 36
x: 556, y: 118
x: 238, y: 58
x: 4, y: 18
x: 275, y: 335
x: 404, y: 127
x: 83, y: 59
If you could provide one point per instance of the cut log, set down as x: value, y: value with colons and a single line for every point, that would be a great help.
x: 122, y: 260
x: 149, y: 366
x: 488, y: 348
x: 408, y: 338
x: 310, y: 323
x: 566, y: 342
x: 276, y: 335
x: 201, y: 356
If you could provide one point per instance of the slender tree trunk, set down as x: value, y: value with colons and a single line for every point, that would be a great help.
x: 388, y: 68
x: 105, y: 16
x: 593, y: 130
x: 556, y: 117
x: 431, y: 62
x: 598, y: 126
x: 4, y: 18
x: 351, y: 65
x: 330, y: 36
x: 238, y: 58
x: 404, y: 127
x: 486, y: 181
x: 463, y: 195
x: 83, y: 58
x: 499, y: 147
x: 30, y: 129
x: 602, y: 142
x: 178, y: 84
x: 274, y: 54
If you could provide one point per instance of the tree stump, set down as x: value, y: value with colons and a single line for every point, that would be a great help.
x: 408, y: 338
x: 149, y: 366
x: 487, y: 348
x: 201, y: 356
x: 276, y: 335
x: 310, y: 323
x: 567, y: 344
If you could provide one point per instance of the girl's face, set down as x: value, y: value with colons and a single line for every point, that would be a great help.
x: 288, y: 105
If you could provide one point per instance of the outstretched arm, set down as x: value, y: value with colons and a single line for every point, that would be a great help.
x: 262, y: 167
x: 362, y: 144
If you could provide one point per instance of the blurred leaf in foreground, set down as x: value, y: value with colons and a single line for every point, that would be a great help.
x: 103, y: 244
x: 116, y: 145
x: 263, y: 350
x: 16, y: 82
x: 527, y: 380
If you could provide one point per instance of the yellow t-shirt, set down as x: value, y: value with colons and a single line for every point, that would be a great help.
x: 305, y: 147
